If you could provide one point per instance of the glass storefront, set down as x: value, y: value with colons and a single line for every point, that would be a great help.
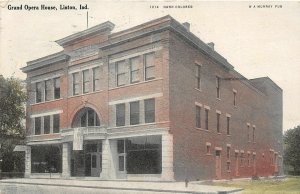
x: 140, y: 155
x: 46, y: 159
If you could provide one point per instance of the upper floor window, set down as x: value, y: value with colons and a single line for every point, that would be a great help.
x: 121, y: 73
x: 56, y: 88
x: 134, y: 69
x: 228, y: 125
x: 253, y: 133
x: 198, y: 116
x: 149, y: 110
x: 206, y: 118
x: 218, y: 87
x: 86, y: 81
x: 234, y: 98
x: 39, y: 91
x: 120, y: 114
x: 198, y: 76
x: 89, y: 118
x: 56, y: 123
x: 228, y: 152
x: 76, y: 83
x: 96, y: 79
x: 134, y: 113
x: 48, y: 90
x: 51, y: 124
x: 218, y: 122
x: 149, y: 66
x: 248, y: 132
x: 47, y: 124
x: 37, y: 125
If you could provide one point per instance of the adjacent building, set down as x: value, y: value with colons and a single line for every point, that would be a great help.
x: 152, y: 102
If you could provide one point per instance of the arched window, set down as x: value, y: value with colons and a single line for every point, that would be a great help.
x: 86, y: 117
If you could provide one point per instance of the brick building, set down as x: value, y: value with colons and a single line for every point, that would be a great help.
x: 152, y: 102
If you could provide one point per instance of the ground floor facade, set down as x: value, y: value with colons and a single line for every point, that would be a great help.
x: 135, y: 157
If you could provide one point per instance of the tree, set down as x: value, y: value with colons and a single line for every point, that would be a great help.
x: 12, y: 106
x: 292, y: 148
x: 12, y: 114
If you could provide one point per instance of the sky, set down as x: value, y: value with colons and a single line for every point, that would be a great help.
x: 258, y: 41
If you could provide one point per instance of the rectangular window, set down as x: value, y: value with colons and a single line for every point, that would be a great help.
x: 228, y: 166
x: 56, y: 123
x: 198, y: 116
x: 218, y: 122
x: 48, y: 90
x: 228, y: 125
x: 46, y: 124
x: 56, y: 88
x: 149, y: 110
x: 37, y: 125
x: 234, y: 98
x: 198, y: 76
x: 91, y: 118
x: 134, y: 70
x: 228, y: 152
x: 218, y: 87
x: 134, y: 113
x: 96, y: 79
x: 76, y: 83
x: 120, y: 114
x: 242, y: 159
x: 208, y: 149
x: 121, y: 73
x: 248, y: 160
x: 253, y: 134
x: 206, y: 119
x: 86, y: 81
x: 39, y: 91
x: 248, y: 132
x: 149, y: 66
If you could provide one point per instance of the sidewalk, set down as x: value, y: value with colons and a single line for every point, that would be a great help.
x: 166, y: 187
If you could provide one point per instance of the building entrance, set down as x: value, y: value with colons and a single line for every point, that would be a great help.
x: 87, y: 162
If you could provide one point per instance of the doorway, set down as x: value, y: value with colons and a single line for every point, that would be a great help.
x: 218, y: 164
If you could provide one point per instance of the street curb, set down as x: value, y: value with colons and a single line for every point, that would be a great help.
x: 123, y: 189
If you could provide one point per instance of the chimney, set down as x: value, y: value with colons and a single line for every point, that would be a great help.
x: 186, y: 26
x: 211, y: 45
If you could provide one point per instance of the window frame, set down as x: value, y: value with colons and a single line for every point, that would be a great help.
x: 85, y: 81
x: 206, y: 118
x: 218, y: 87
x: 150, y: 111
x: 146, y: 67
x: 56, y: 90
x: 121, y: 122
x: 132, y: 71
x: 118, y: 73
x: 75, y: 83
x: 96, y: 79
x: 198, y: 76
x: 198, y: 116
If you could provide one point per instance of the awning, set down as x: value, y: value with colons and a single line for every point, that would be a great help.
x: 20, y: 148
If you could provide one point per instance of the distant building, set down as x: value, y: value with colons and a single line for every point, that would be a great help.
x: 152, y: 102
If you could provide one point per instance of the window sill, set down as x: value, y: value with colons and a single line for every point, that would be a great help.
x: 84, y: 94
x: 219, y: 133
x: 228, y: 135
x: 199, y: 90
x: 228, y: 171
x: 209, y: 154
x: 133, y: 84
x: 200, y: 129
x: 46, y: 101
x: 218, y: 99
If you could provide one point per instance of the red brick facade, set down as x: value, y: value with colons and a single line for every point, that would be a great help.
x: 177, y: 51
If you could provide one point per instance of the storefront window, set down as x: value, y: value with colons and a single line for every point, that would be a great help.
x: 143, y: 155
x: 46, y: 159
